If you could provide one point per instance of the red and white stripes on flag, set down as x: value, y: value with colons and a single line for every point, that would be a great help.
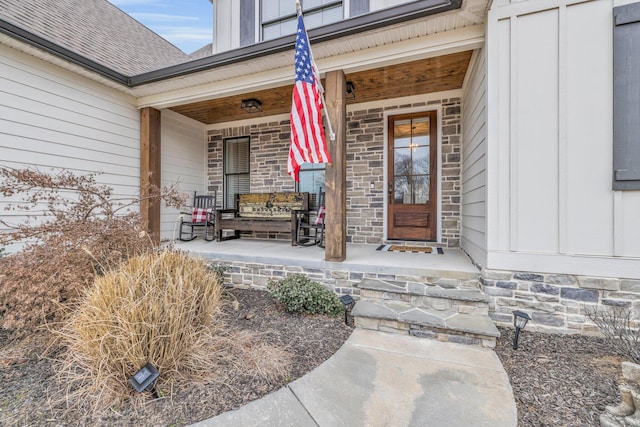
x: 308, y: 144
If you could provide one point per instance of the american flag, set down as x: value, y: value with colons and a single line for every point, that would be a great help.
x: 308, y: 144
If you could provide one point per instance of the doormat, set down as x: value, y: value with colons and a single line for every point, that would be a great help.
x: 412, y: 249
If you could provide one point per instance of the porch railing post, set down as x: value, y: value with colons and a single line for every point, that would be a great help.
x: 336, y: 172
x: 150, y: 170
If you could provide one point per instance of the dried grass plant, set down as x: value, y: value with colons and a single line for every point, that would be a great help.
x: 157, y: 308
x: 162, y: 308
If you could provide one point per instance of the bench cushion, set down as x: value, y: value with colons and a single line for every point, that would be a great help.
x: 270, y: 205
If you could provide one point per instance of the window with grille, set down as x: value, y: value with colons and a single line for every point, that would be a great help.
x: 311, y: 181
x: 236, y: 169
x: 279, y: 17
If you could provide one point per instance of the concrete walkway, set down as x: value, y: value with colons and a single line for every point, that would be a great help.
x: 379, y: 379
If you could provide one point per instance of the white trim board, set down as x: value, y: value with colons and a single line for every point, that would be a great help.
x: 601, y: 266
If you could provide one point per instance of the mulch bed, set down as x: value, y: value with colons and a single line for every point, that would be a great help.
x: 27, y: 386
x: 560, y: 380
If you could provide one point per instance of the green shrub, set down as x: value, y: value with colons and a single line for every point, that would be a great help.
x: 219, y: 270
x: 298, y: 293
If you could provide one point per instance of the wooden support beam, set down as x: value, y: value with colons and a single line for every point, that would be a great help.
x: 150, y: 170
x: 336, y: 172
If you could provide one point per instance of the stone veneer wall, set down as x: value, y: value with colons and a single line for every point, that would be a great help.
x: 451, y: 172
x: 340, y: 280
x: 365, y: 171
x: 257, y: 275
x: 557, y: 302
x: 269, y: 144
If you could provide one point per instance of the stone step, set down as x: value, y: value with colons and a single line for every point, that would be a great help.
x: 456, y: 299
x: 443, y: 325
x: 421, y: 288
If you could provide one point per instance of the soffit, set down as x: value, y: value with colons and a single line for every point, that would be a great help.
x: 424, y: 76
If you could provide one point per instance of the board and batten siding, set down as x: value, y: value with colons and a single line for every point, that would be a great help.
x: 52, y: 119
x: 474, y: 159
x: 182, y: 162
x: 551, y: 207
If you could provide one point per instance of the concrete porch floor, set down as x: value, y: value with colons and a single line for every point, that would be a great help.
x: 453, y: 263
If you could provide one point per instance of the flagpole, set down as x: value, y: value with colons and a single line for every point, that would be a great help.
x: 332, y: 135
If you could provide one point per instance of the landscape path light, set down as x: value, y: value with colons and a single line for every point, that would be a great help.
x: 520, y: 319
x: 145, y: 378
x: 348, y: 302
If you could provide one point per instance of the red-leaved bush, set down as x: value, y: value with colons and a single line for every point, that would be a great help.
x: 72, y: 228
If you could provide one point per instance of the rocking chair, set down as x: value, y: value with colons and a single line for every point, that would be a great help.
x: 202, y: 215
x: 310, y: 230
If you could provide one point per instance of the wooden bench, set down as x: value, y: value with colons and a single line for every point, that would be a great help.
x: 261, y: 212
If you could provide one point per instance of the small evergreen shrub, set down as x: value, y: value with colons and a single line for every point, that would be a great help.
x: 298, y: 293
x: 219, y: 270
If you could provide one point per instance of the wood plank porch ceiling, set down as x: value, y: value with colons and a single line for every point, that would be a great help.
x: 424, y: 76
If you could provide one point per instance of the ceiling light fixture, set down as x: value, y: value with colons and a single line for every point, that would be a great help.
x: 251, y: 105
x: 351, y: 90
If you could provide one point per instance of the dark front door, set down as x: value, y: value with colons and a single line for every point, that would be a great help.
x: 412, y: 176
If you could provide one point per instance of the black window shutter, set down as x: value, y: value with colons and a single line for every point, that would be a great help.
x: 247, y: 22
x: 626, y: 97
x: 358, y: 7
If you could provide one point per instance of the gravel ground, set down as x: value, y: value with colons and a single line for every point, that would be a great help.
x: 557, y: 380
x: 560, y: 380
x: 27, y: 388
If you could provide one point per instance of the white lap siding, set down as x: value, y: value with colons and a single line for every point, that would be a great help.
x: 474, y: 159
x: 52, y: 119
x: 183, y: 161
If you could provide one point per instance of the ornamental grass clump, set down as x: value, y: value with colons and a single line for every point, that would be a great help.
x: 158, y: 307
x: 298, y: 293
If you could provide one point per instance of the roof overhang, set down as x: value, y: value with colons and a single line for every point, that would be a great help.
x: 347, y: 27
x: 273, y: 72
x: 408, y: 32
x: 24, y: 36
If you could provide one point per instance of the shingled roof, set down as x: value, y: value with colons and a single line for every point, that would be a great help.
x: 97, y: 30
